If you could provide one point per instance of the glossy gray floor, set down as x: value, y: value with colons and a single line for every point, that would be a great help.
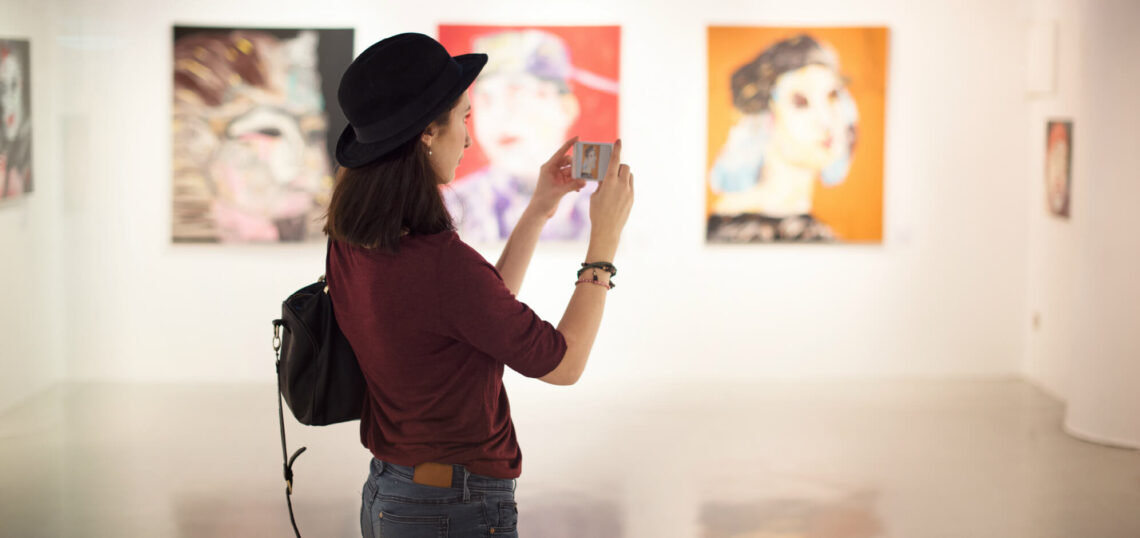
x: 847, y: 459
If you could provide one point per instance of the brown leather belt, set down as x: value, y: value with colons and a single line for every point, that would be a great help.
x: 433, y: 474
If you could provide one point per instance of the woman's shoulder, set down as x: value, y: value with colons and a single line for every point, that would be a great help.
x: 462, y: 260
x: 445, y: 247
x: 453, y: 246
x: 410, y: 247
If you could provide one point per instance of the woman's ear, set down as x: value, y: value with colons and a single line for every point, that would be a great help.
x: 428, y: 135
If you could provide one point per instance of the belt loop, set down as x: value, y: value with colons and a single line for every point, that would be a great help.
x: 466, y: 491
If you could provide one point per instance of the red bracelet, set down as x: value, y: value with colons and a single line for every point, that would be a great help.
x: 602, y: 284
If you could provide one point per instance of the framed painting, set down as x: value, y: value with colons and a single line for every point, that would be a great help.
x: 795, y: 134
x: 16, y: 117
x: 255, y: 124
x: 541, y: 86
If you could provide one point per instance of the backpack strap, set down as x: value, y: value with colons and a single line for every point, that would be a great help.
x: 328, y: 256
x: 287, y: 462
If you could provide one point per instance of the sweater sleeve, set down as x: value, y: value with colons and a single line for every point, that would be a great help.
x: 477, y: 308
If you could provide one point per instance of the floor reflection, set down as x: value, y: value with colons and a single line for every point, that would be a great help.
x: 570, y: 515
x: 851, y: 516
x: 797, y: 460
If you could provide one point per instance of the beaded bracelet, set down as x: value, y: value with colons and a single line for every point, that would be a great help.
x: 609, y: 286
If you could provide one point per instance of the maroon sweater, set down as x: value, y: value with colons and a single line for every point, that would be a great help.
x: 432, y: 326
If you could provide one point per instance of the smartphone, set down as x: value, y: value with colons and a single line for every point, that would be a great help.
x: 591, y: 160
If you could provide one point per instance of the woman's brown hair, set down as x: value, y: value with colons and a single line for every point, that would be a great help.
x: 373, y: 205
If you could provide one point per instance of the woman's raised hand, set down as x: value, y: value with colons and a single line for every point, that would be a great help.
x: 610, y: 206
x: 555, y: 181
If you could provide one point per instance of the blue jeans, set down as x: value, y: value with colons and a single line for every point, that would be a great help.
x: 392, y: 506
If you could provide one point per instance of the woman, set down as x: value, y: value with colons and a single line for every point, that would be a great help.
x: 590, y: 161
x: 798, y: 126
x: 432, y: 323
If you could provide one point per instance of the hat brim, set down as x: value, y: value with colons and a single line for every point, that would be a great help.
x: 351, y: 153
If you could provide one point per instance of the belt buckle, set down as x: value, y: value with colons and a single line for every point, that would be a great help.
x: 433, y: 474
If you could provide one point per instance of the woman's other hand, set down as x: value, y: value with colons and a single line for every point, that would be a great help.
x: 555, y: 181
x: 611, y: 203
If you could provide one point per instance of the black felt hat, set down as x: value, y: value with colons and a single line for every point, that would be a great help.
x: 394, y: 90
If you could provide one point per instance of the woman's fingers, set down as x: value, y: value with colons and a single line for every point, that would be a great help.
x: 562, y: 150
x: 615, y: 159
x: 625, y: 173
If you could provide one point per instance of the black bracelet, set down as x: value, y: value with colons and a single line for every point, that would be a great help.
x: 605, y: 266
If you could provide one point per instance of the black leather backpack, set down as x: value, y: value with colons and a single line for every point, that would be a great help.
x: 318, y: 375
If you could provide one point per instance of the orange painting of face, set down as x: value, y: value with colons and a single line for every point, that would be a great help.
x: 795, y: 143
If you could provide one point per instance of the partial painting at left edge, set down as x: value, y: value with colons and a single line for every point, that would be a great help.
x: 255, y: 120
x: 16, y: 114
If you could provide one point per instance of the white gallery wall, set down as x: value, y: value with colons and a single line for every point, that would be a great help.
x: 1083, y: 271
x: 1053, y: 249
x: 969, y: 259
x: 32, y: 330
x: 944, y: 295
